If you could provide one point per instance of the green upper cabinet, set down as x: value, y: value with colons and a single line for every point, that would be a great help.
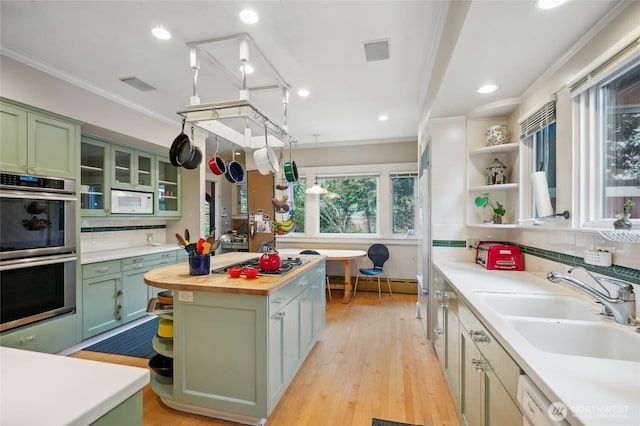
x: 94, y: 176
x: 132, y: 170
x: 37, y: 143
x: 168, y: 193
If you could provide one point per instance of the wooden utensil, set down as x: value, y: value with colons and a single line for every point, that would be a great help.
x: 181, y: 240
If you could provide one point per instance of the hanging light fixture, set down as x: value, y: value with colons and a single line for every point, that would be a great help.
x: 316, y: 189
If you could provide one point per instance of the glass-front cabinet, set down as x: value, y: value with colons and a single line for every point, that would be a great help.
x: 132, y: 169
x: 168, y: 192
x: 94, y: 192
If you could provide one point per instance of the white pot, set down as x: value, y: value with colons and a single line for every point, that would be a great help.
x: 266, y: 160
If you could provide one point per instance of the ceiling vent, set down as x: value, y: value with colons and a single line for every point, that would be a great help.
x: 376, y: 50
x: 137, y: 83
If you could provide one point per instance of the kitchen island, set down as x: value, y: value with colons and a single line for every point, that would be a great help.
x: 237, y: 342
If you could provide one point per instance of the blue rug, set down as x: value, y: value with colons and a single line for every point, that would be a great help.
x: 136, y: 341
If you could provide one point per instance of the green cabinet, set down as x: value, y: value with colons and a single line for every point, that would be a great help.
x: 50, y: 336
x: 114, y: 292
x: 167, y: 199
x: 101, y: 297
x: 482, y: 377
x: 94, y: 175
x: 35, y: 142
x: 132, y: 169
x: 235, y: 354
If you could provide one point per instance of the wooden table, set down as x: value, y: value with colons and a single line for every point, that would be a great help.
x: 346, y: 256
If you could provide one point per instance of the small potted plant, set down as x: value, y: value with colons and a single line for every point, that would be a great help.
x: 483, y: 200
x: 623, y: 221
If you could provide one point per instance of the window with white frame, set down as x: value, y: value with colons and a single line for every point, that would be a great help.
x: 295, y: 192
x: 350, y: 205
x: 607, y: 118
x: 404, y: 193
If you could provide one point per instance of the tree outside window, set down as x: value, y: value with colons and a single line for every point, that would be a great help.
x: 403, y: 196
x: 350, y: 207
x: 621, y: 121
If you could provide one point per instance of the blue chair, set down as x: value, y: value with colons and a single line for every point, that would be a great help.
x: 326, y: 276
x: 379, y: 254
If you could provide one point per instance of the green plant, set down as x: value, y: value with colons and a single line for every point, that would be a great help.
x: 483, y: 200
x: 627, y: 206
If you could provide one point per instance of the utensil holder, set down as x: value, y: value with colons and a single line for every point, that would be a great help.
x: 200, y: 264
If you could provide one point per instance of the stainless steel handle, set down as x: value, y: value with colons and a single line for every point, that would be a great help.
x: 23, y: 195
x: 27, y: 339
x: 479, y: 336
x: 478, y: 365
x: 37, y: 261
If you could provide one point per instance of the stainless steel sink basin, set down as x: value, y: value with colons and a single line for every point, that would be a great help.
x: 588, y: 339
x: 539, y: 305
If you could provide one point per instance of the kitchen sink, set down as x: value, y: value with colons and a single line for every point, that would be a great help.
x: 539, y: 305
x: 580, y: 338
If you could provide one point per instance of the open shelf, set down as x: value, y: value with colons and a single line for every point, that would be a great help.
x: 161, y: 385
x: 496, y: 149
x: 500, y: 187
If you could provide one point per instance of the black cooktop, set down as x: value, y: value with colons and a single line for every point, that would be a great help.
x: 288, y: 265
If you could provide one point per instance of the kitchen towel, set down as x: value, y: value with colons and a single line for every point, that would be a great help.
x: 136, y: 341
x: 541, y: 194
x: 378, y: 422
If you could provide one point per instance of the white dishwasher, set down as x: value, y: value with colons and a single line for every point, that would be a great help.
x: 536, y: 408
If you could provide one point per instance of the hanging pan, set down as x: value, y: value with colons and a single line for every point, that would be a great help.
x: 216, y: 164
x: 235, y: 171
x: 266, y: 160
x: 177, y: 142
x: 290, y: 168
x: 188, y: 155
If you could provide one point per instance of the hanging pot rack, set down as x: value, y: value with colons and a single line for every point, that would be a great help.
x: 209, y: 116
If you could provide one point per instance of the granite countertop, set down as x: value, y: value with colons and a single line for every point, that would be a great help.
x: 600, y: 391
x: 46, y: 389
x: 104, y: 255
x: 176, y: 277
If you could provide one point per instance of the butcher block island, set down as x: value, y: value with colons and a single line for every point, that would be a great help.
x: 237, y: 342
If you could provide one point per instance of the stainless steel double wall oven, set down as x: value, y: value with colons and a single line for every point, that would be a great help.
x: 38, y: 257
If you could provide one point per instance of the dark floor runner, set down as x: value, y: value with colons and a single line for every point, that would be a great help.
x: 378, y: 422
x: 133, y: 342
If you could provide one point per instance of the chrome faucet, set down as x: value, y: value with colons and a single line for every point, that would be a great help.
x: 622, y: 307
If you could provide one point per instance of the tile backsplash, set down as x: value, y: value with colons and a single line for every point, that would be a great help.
x: 100, y: 234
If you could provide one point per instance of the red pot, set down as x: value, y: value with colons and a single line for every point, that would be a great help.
x: 217, y: 166
x: 270, y: 262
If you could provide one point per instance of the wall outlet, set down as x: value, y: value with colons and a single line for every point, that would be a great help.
x: 149, y: 237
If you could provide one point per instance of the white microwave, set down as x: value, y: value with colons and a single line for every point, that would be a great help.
x: 131, y: 202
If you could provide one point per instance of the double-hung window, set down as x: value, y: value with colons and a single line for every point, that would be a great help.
x: 404, y: 193
x: 607, y: 116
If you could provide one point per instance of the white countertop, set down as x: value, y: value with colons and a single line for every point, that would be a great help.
x: 600, y: 391
x: 43, y: 389
x: 104, y: 255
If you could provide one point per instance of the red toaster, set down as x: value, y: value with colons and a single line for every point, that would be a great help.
x: 499, y: 256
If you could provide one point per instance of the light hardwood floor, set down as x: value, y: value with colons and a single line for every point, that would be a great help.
x: 372, y: 360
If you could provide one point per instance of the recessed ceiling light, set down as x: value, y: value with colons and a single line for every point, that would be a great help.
x: 248, y: 69
x: 249, y: 16
x: 549, y: 4
x: 383, y: 117
x: 488, y: 88
x: 303, y: 93
x: 161, y: 33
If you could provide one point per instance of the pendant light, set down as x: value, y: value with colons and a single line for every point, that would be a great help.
x: 316, y: 189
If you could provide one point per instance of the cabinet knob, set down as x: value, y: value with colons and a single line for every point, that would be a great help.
x: 478, y: 336
x: 438, y: 331
x: 279, y: 315
x: 118, y: 308
x: 118, y: 318
x: 119, y: 293
x: 279, y: 300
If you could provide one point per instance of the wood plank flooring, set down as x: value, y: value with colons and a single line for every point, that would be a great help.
x: 372, y: 360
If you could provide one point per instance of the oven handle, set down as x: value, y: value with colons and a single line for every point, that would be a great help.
x: 35, y: 195
x: 36, y: 261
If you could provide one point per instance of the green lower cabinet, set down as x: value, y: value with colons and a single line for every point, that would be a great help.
x: 101, y: 304
x: 48, y: 336
x: 129, y: 413
x: 135, y: 294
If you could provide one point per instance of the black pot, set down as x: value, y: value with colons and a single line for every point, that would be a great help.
x: 162, y: 365
x: 177, y: 143
x: 187, y: 154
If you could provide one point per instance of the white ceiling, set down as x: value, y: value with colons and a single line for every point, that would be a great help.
x: 312, y: 44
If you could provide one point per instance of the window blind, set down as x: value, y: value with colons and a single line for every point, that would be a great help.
x: 538, y: 120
